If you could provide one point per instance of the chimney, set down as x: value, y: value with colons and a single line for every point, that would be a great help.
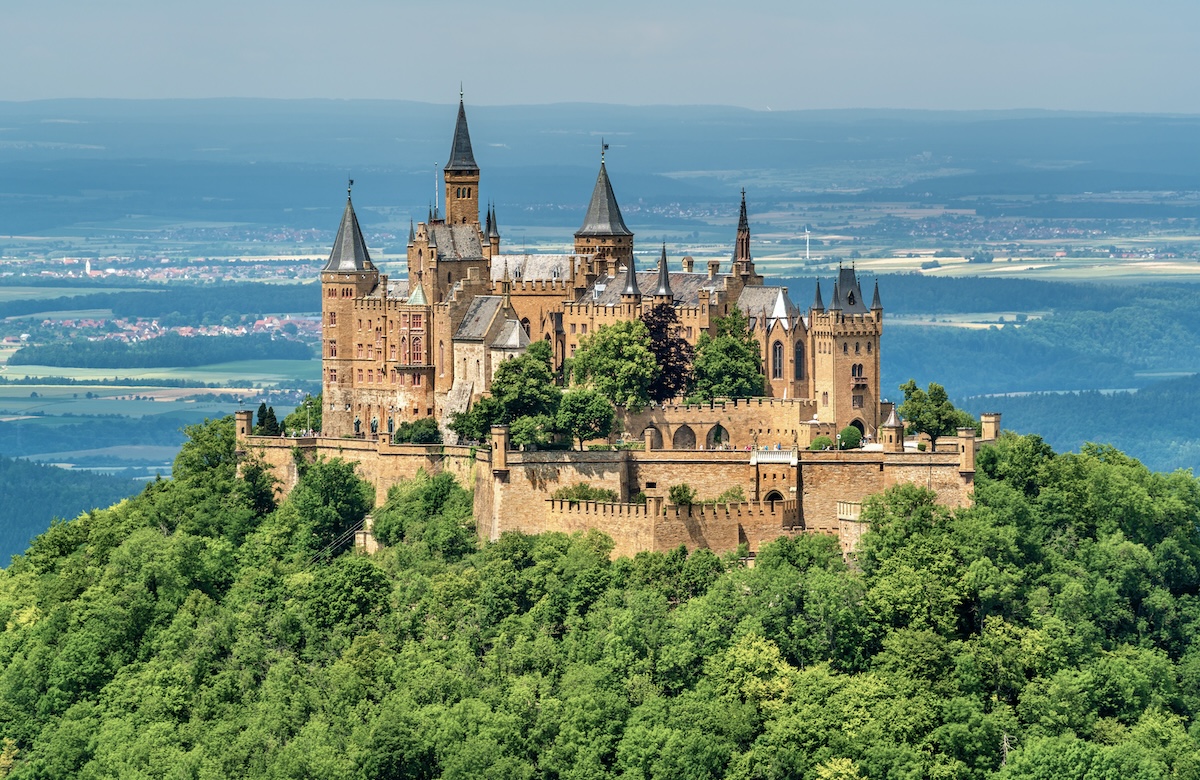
x: 688, y: 264
x: 713, y: 267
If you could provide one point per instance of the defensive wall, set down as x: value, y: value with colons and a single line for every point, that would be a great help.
x: 787, y: 490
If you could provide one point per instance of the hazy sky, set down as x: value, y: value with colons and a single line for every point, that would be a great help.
x: 1105, y: 55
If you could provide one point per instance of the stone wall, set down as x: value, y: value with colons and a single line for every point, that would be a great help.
x: 767, y: 421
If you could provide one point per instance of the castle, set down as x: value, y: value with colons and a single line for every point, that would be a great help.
x: 395, y: 351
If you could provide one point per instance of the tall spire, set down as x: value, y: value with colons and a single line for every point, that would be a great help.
x: 743, y: 221
x: 461, y: 156
x: 487, y: 228
x: 875, y: 302
x: 603, y: 216
x: 741, y: 250
x: 631, y: 284
x: 664, y: 278
x: 836, y: 303
x: 349, y: 248
x: 494, y: 230
x: 818, y: 303
x: 412, y: 233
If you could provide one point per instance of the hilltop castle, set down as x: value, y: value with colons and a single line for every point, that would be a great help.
x: 395, y: 351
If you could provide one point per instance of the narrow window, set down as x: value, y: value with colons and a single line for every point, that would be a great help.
x: 777, y: 360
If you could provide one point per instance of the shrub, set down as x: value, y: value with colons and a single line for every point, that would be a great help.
x: 734, y: 495
x: 582, y: 491
x: 681, y: 495
x: 820, y: 443
x: 423, y: 431
x: 850, y: 438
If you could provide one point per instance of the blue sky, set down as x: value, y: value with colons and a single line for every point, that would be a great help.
x: 1101, y: 55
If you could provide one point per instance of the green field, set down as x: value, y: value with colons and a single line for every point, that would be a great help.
x: 242, y: 373
x: 21, y: 293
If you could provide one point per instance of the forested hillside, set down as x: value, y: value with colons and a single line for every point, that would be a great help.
x: 194, y: 631
x: 34, y: 494
x: 167, y: 350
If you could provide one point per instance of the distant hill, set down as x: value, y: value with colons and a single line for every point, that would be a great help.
x: 36, y: 494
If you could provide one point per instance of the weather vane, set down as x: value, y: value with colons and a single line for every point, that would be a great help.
x: 603, y: 149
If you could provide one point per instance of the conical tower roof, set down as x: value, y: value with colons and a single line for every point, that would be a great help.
x: 603, y: 216
x: 875, y: 302
x: 664, y: 278
x: 349, y: 248
x: 818, y: 302
x: 836, y: 303
x: 461, y: 156
x: 893, y: 420
x: 412, y: 233
x: 631, y: 284
x: 743, y: 220
x: 493, y: 227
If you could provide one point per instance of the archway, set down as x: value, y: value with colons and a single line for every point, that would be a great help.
x: 656, y: 440
x: 774, y: 496
x: 717, y: 436
x: 684, y: 439
x: 859, y: 424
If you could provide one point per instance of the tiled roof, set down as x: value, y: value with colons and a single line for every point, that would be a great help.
x: 773, y: 302
x: 511, y: 336
x: 603, y: 216
x: 461, y: 156
x: 533, y: 267
x: 685, y: 287
x: 455, y: 242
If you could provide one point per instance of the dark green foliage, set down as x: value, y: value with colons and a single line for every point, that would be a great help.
x: 582, y: 491
x: 681, y: 495
x: 523, y: 387
x: 672, y: 354
x: 618, y: 362
x: 1048, y: 631
x: 849, y: 438
x: 728, y: 364
x: 330, y: 499
x: 265, y: 422
x: 168, y: 350
x: 931, y: 412
x: 423, y: 431
x: 820, y: 443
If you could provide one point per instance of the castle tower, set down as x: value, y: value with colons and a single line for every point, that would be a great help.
x: 663, y: 294
x: 348, y: 275
x: 743, y: 263
x: 844, y: 344
x: 493, y: 234
x: 631, y: 295
x: 461, y: 175
x: 603, y: 232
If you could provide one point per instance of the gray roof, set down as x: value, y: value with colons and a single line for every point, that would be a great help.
x: 455, y: 242
x: 349, y: 248
x: 848, y: 294
x: 685, y: 287
x: 818, y: 304
x: 631, y: 281
x: 493, y: 230
x: 875, y: 302
x: 533, y: 267
x: 461, y: 156
x: 771, y: 302
x: 511, y: 336
x: 664, y: 276
x: 479, y: 317
x: 603, y: 216
x: 893, y: 420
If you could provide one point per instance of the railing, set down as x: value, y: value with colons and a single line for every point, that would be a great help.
x: 858, y: 382
x: 773, y: 456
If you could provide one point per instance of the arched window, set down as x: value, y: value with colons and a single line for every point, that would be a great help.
x: 868, y: 347
x: 441, y: 358
x: 418, y: 355
x: 845, y: 347
x: 857, y: 348
x: 404, y: 351
x: 798, y: 367
x: 777, y: 360
x: 448, y: 277
x: 525, y: 325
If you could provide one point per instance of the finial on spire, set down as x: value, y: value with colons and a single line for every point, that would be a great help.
x: 460, y: 92
x: 349, y: 186
x: 603, y: 149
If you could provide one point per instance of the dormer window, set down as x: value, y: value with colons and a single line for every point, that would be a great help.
x: 850, y: 298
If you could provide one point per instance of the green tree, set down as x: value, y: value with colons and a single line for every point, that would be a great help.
x: 617, y: 361
x: 532, y: 431
x: 422, y: 431
x: 585, y: 414
x: 672, y: 353
x: 524, y: 386
x: 930, y: 412
x: 330, y: 499
x: 849, y: 438
x: 681, y: 495
x: 820, y: 443
x: 582, y: 491
x: 728, y: 364
x: 306, y: 416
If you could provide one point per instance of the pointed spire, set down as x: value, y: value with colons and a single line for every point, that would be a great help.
x: 349, y: 248
x: 743, y: 221
x: 875, y: 302
x: 432, y: 238
x: 603, y: 216
x: 664, y: 278
x: 412, y: 233
x: 836, y: 303
x: 631, y: 283
x: 893, y: 420
x: 461, y: 156
x: 430, y: 221
x: 818, y: 303
x: 741, y: 247
x: 417, y: 296
x: 494, y: 230
x: 487, y: 229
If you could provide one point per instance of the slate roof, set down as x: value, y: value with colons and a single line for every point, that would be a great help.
x: 532, y: 267
x: 818, y: 303
x: 461, y: 156
x: 511, y: 336
x: 479, y: 317
x: 455, y: 242
x: 773, y: 302
x: 685, y: 287
x: 603, y: 216
x: 664, y: 275
x: 349, y: 248
x: 848, y: 294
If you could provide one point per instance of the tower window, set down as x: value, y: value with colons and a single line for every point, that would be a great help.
x: 777, y: 360
x: 857, y: 348
x: 825, y: 398
x: 798, y: 367
x: 333, y: 318
x: 868, y: 347
x: 846, y: 348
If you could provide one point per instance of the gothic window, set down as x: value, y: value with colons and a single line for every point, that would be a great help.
x: 358, y: 352
x: 332, y: 348
x: 416, y: 380
x: 857, y: 348
x: 825, y: 398
x: 468, y: 192
x: 416, y: 321
x: 868, y: 347
x: 392, y: 349
x: 333, y: 318
x: 777, y: 360
x: 525, y: 325
x: 404, y: 351
x: 360, y: 375
x: 370, y: 352
x: 441, y: 358
x: 798, y: 366
x: 845, y: 348
x: 418, y: 355
x: 850, y: 298
x: 370, y: 376
x: 393, y: 376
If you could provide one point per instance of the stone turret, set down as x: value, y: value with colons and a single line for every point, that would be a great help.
x: 461, y: 175
x: 603, y: 232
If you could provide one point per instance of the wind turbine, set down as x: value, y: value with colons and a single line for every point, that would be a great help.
x: 806, y: 235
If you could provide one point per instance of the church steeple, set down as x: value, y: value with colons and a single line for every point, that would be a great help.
x: 461, y: 175
x: 743, y: 264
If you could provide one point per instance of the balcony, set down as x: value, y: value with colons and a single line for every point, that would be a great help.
x: 858, y: 383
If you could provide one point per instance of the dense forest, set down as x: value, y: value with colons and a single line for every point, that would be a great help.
x: 170, y: 349
x: 35, y: 494
x: 32, y: 437
x: 183, y: 304
x: 196, y: 630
